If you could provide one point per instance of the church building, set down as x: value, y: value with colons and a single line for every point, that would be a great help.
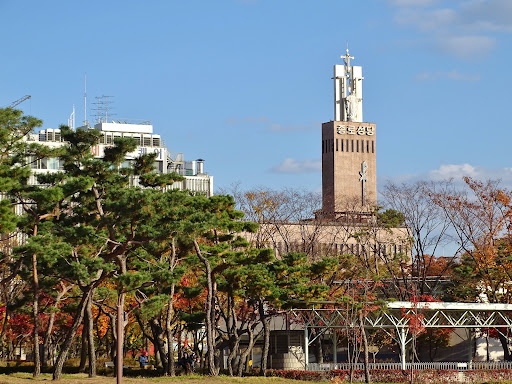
x: 349, y: 166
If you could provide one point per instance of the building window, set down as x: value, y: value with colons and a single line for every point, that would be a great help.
x: 156, y: 141
x: 336, y: 145
x: 346, y: 145
x: 332, y: 145
x: 342, y: 145
x: 373, y: 147
x: 357, y: 145
x: 362, y: 146
x: 146, y: 141
x: 352, y: 145
x: 33, y: 162
x: 367, y: 146
x: 53, y: 163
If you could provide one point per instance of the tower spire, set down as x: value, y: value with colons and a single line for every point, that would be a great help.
x: 348, y: 90
x: 347, y: 58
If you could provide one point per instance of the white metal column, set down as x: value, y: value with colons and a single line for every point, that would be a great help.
x: 334, y: 347
x: 306, y: 347
x: 402, y: 347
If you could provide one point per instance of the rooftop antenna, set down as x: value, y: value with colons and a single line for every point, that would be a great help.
x: 85, y: 101
x: 71, y: 120
x: 102, y: 109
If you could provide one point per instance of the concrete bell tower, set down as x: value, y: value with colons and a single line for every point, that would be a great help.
x: 349, y: 169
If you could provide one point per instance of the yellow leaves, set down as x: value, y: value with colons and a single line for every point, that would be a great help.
x: 263, y: 202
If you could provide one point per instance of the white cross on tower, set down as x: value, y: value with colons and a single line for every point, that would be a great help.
x: 362, y: 179
x: 347, y: 58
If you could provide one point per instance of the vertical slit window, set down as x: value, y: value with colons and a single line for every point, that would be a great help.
x: 373, y: 147
x: 342, y: 145
x: 336, y: 145
x: 367, y: 146
x: 357, y: 145
x: 352, y: 145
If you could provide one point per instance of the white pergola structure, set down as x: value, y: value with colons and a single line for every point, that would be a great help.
x: 397, y: 315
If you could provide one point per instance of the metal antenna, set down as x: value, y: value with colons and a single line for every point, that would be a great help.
x: 102, y: 109
x: 71, y: 120
x: 85, y: 100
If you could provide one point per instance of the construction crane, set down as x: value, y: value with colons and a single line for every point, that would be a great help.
x: 19, y: 101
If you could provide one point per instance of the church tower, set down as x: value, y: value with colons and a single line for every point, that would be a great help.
x: 349, y: 177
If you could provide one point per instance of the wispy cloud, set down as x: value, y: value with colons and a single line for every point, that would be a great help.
x: 457, y: 172
x: 294, y: 166
x: 426, y: 19
x: 454, y: 171
x: 247, y: 120
x: 452, y: 75
x: 466, y: 46
x: 487, y: 15
x: 266, y: 123
x: 464, y: 29
x: 294, y: 128
x: 412, y: 3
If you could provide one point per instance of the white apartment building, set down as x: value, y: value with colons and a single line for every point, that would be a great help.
x: 195, y: 179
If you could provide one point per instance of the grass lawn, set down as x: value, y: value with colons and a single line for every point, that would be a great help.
x: 79, y: 378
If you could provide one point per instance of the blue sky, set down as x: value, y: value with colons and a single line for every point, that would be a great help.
x: 245, y: 84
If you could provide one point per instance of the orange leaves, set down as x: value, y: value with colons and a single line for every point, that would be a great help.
x: 481, y: 217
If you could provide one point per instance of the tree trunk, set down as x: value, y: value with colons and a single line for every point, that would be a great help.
x: 46, y: 340
x: 3, y: 349
x: 319, y: 352
x: 245, y: 354
x: 90, y: 337
x: 83, y: 347
x: 119, y: 331
x: 59, y: 364
x: 234, y: 344
x: 365, y: 347
x: 158, y: 338
x: 170, y: 369
x: 265, y: 320
x: 210, y: 337
x: 504, y: 344
x: 234, y: 336
x: 35, y: 308
x: 180, y: 347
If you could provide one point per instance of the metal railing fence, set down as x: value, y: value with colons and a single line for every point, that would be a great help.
x: 422, y: 365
